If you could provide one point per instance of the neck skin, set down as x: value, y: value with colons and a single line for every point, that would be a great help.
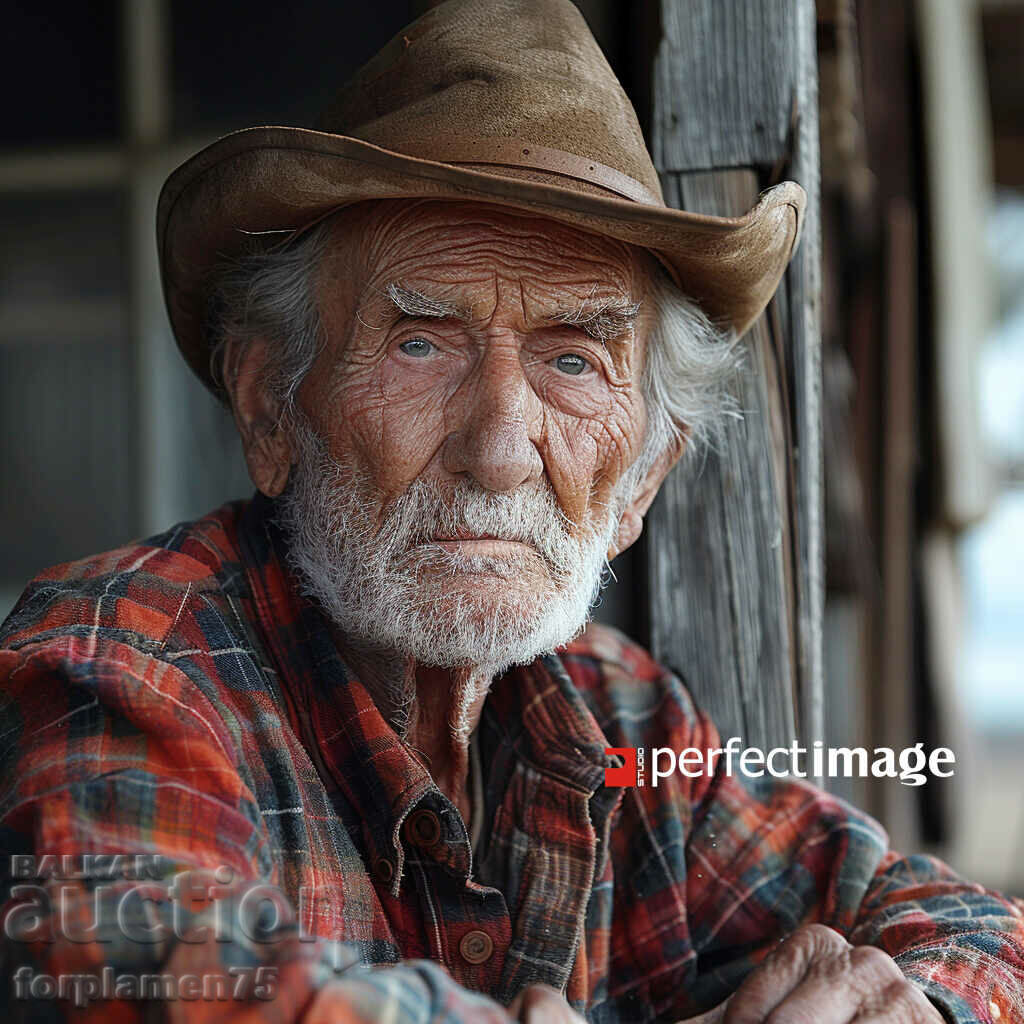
x: 434, y: 710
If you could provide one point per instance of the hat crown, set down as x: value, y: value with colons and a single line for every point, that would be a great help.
x: 501, y: 72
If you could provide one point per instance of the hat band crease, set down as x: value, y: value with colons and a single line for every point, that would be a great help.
x: 508, y: 152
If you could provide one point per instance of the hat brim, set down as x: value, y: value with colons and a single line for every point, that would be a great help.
x: 277, y: 181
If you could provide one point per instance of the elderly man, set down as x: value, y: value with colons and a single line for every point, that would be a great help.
x: 343, y: 746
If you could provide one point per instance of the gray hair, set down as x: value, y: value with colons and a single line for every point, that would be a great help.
x: 688, y: 374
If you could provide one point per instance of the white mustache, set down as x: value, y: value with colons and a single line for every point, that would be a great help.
x: 427, y: 512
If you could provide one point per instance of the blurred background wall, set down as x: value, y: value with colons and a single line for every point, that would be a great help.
x: 104, y: 436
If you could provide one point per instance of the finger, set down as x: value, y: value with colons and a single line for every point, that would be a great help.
x: 838, y: 985
x: 901, y: 1003
x: 781, y: 972
x: 541, y: 1004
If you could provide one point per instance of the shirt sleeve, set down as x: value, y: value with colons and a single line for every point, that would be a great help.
x: 107, y: 752
x: 767, y: 855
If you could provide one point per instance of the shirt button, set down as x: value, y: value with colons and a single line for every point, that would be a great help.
x: 423, y: 828
x: 384, y: 870
x: 476, y: 947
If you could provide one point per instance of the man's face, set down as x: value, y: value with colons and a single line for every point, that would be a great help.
x: 467, y: 426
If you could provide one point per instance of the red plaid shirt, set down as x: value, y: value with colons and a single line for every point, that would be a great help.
x: 177, y: 699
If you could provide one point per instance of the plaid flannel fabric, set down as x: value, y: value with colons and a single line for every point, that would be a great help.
x: 179, y: 700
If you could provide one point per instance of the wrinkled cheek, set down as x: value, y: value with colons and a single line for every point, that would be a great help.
x: 624, y: 438
x: 582, y: 403
x: 397, y: 428
x: 572, y: 457
x: 589, y: 457
x: 607, y: 482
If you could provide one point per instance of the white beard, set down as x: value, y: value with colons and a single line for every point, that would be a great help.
x: 387, y: 584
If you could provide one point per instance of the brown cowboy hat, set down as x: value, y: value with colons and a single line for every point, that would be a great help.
x: 498, y: 101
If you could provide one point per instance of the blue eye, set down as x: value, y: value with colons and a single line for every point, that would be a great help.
x: 418, y: 347
x: 573, y: 364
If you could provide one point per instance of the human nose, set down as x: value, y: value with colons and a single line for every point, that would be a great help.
x: 499, y: 417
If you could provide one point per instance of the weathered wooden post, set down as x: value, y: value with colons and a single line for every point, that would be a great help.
x: 734, y: 551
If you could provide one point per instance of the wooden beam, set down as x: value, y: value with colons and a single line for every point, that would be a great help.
x: 724, y: 78
x: 735, y: 549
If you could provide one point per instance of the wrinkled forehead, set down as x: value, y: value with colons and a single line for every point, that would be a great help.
x: 398, y: 241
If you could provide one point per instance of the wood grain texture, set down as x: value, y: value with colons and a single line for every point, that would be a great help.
x: 725, y: 81
x: 803, y: 287
x: 734, y: 546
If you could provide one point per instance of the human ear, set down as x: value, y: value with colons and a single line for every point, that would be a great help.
x: 631, y: 524
x: 265, y: 441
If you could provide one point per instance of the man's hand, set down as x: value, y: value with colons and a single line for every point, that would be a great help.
x: 817, y: 977
x: 541, y: 1004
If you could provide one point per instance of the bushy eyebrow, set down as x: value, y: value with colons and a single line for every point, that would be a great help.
x: 414, y: 303
x: 604, y: 321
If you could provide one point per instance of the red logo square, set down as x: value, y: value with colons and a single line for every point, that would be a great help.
x: 627, y: 774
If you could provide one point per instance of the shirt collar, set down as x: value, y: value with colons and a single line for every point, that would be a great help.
x: 548, y: 723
